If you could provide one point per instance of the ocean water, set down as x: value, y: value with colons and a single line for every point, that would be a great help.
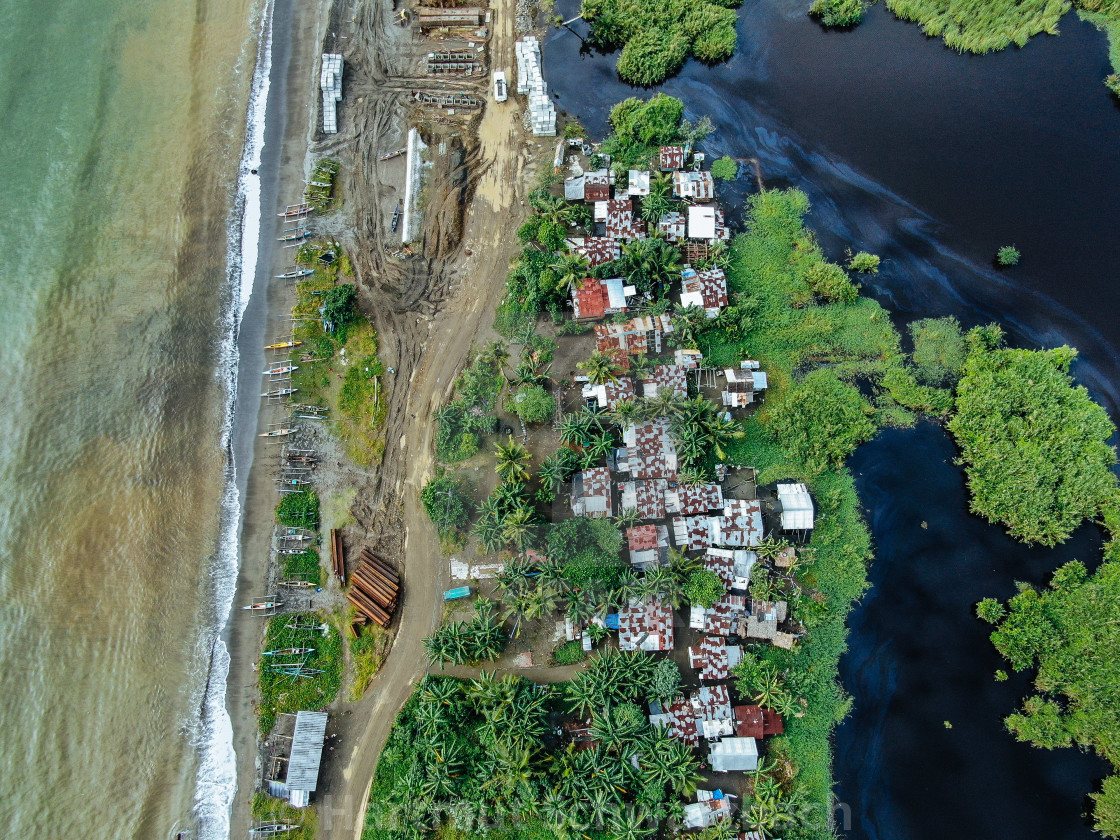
x: 122, y: 125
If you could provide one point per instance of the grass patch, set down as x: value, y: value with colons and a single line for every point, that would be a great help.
x: 284, y: 693
x: 569, y: 653
x: 265, y: 808
x: 336, y: 508
x: 304, y: 566
x: 367, y: 652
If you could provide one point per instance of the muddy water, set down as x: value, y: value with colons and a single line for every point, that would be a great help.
x: 932, y: 160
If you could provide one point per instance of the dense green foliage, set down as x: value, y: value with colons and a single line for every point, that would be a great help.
x: 838, y: 13
x: 304, y: 566
x: 864, y: 262
x: 299, y: 509
x: 1034, y: 445
x: 821, y: 420
x: 703, y: 588
x: 1008, y: 255
x: 1070, y: 632
x: 940, y: 351
x: 1112, y: 82
x: 589, y: 551
x: 338, y: 306
x: 983, y: 26
x: 266, y: 809
x: 569, y: 653
x: 459, y: 642
x: 657, y: 36
x: 285, y: 693
x: 532, y: 403
x: 471, y: 414
x: 447, y: 505
x: 725, y: 169
x: 462, y: 753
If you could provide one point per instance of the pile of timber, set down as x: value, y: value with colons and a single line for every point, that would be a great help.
x: 373, y: 588
x: 337, y: 557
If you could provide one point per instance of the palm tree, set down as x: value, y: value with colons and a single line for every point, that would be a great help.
x: 661, y: 184
x: 627, y: 412
x: 719, y: 431
x: 600, y: 368
x: 490, y: 532
x: 570, y: 268
x: 662, y: 582
x: 681, y: 565
x: 580, y: 610
x: 630, y: 824
x: 665, y: 404
x: 495, y: 353
x: 518, y: 527
x: 691, y: 477
x: 554, y: 210
x: 719, y: 254
x: 628, y: 519
x: 687, y: 323
x: 641, y: 364
x: 599, y: 446
x: 583, y: 695
x: 513, y: 461
x: 655, y: 206
x: 651, y: 264
x: 575, y: 428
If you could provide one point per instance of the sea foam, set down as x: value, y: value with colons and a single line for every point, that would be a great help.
x: 217, y: 772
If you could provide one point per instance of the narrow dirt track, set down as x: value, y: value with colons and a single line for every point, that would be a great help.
x: 429, y: 311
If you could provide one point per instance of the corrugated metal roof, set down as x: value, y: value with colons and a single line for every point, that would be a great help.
x: 307, y: 750
x: 734, y: 754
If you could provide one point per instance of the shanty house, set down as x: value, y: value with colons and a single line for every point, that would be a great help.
x: 661, y: 377
x: 610, y: 394
x: 639, y: 182
x: 705, y: 289
x: 757, y: 722
x: 742, y: 384
x: 733, y: 755
x: 597, y: 250
x: 740, y: 526
x: 595, y: 298
x: 647, y: 497
x: 621, y: 222
x: 591, y: 492
x: 649, y: 451
x: 763, y: 621
x: 706, y: 714
x: 706, y: 223
x: 597, y: 185
x: 725, y: 617
x: 574, y: 187
x: 694, y: 186
x: 688, y: 499
x: 672, y: 226
x: 648, y: 544
x: 709, y: 807
x: 646, y: 624
x: 733, y: 565
x: 713, y: 658
x: 797, y: 507
x: 638, y: 336
x: 305, y: 757
x: 671, y: 157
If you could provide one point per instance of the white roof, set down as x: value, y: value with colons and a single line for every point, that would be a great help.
x: 639, y: 182
x: 616, y: 293
x: 696, y: 618
x: 701, y: 222
x: 797, y: 507
x: 307, y: 751
x: 734, y: 754
x: 759, y: 377
x: 573, y: 188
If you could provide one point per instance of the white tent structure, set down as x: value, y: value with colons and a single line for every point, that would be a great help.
x: 797, y: 507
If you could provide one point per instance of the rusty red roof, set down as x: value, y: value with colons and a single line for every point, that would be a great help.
x: 642, y: 537
x: 671, y: 157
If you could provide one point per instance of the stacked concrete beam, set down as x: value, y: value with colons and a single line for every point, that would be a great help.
x: 330, y: 82
x: 530, y: 82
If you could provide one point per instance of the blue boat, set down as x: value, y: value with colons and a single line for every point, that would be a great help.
x: 457, y: 593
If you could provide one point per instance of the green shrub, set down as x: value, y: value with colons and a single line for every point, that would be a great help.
x: 299, y: 510
x: 838, y: 12
x: 864, y: 263
x: 1112, y: 82
x: 304, y: 566
x: 338, y: 305
x: 1034, y: 445
x: 940, y: 351
x: 532, y: 403
x: 1008, y: 255
x: 703, y: 588
x: 447, y: 505
x: 725, y: 169
x: 569, y: 653
x: 990, y: 610
x: 831, y: 282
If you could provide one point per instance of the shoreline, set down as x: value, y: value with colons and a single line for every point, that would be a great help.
x: 295, y: 37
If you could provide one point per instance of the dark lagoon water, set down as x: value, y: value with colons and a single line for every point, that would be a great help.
x: 932, y: 160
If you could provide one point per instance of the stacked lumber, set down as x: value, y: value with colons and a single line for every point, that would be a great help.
x: 373, y: 588
x: 337, y: 557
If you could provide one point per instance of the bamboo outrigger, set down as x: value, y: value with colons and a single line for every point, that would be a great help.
x: 294, y: 275
x: 276, y: 433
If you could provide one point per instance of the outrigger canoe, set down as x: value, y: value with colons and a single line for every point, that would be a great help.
x: 276, y: 433
x: 281, y: 392
x: 294, y: 236
x: 288, y: 652
x: 273, y: 371
x: 267, y: 605
x: 301, y: 210
x: 272, y: 828
x: 283, y: 345
x: 292, y: 275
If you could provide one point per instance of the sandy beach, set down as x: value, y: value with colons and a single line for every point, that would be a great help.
x: 296, y: 34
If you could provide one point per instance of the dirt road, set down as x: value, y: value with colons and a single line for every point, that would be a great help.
x: 429, y: 311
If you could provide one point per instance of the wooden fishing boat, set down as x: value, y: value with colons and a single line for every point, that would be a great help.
x: 297, y: 584
x: 294, y: 236
x: 393, y: 154
x: 294, y: 537
x: 279, y: 369
x: 264, y: 605
x: 282, y: 345
x: 320, y: 183
x: 270, y: 829
x: 280, y: 392
x: 288, y: 652
x: 290, y: 550
x: 292, y: 275
x: 296, y: 211
x: 276, y: 433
